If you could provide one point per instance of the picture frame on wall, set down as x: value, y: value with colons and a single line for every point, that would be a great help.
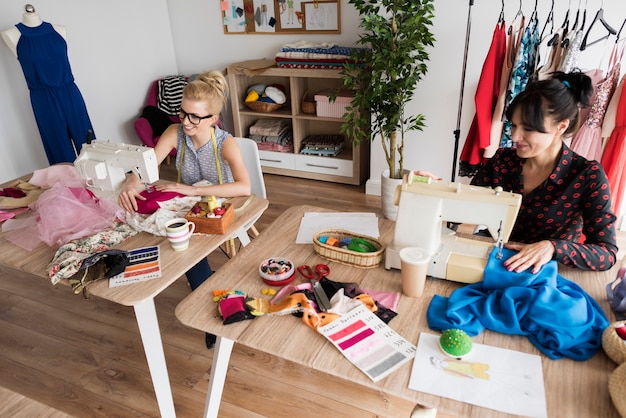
x: 280, y: 16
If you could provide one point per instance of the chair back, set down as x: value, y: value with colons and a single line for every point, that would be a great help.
x: 250, y: 154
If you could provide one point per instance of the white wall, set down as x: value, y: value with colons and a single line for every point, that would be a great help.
x: 116, y: 55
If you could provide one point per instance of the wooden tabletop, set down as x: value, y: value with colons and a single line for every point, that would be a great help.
x: 173, y: 263
x: 573, y: 389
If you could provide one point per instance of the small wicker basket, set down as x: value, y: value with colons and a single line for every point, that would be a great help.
x: 352, y: 258
x: 617, y: 389
x: 263, y: 107
x: 308, y: 104
x: 613, y: 345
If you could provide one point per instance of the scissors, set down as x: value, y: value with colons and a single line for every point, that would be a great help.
x: 321, y: 271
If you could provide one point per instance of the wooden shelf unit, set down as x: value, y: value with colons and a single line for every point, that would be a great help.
x: 351, y: 166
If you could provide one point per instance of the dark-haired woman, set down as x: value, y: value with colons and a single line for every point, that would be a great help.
x: 566, y: 207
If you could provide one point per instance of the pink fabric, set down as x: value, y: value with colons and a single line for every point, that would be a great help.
x: 151, y: 204
x: 47, y: 177
x: 62, y: 213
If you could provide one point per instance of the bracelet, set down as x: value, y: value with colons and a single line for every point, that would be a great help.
x: 361, y: 246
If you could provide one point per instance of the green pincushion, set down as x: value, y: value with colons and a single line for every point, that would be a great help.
x: 455, y: 343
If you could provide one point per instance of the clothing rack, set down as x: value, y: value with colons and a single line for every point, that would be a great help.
x: 457, y: 131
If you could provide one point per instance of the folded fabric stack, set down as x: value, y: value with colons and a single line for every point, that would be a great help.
x: 324, y: 145
x: 272, y: 135
x: 305, y: 54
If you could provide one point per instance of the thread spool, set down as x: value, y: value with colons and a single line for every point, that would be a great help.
x: 416, y: 178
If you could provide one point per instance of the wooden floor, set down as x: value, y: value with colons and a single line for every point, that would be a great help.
x: 84, y: 358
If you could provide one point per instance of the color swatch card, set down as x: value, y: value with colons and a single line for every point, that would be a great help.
x: 369, y: 343
x: 495, y: 378
x: 144, y: 264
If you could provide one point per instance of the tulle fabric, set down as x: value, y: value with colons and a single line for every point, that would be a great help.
x: 62, y: 213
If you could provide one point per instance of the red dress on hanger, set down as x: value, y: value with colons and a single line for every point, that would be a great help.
x: 614, y: 156
x: 479, y: 135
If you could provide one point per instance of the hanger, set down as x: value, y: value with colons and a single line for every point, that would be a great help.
x: 620, y: 31
x: 549, y: 19
x: 519, y: 12
x: 599, y: 17
x: 565, y: 24
x: 533, y: 16
x: 582, y: 25
x: 501, y: 18
x: 575, y: 25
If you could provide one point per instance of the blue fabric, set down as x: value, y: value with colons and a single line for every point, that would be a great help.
x: 58, y: 105
x: 557, y: 315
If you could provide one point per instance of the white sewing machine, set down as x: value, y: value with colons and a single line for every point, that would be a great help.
x: 423, y: 207
x: 103, y: 165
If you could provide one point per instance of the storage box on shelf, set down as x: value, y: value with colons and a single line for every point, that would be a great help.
x: 351, y: 166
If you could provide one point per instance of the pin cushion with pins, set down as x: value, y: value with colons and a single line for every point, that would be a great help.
x: 455, y: 343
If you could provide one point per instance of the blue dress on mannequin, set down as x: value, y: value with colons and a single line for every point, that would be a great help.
x: 57, y: 103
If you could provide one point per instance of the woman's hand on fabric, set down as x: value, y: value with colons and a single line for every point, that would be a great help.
x: 127, y: 198
x: 529, y: 255
x: 186, y: 189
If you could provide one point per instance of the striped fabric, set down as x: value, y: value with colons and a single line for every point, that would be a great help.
x: 170, y: 93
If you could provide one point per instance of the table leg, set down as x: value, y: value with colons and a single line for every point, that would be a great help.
x: 221, y: 358
x: 145, y: 313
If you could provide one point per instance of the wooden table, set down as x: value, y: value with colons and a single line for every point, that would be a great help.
x: 573, y: 389
x: 141, y: 295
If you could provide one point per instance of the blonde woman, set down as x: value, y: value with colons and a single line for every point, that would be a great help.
x: 208, y: 159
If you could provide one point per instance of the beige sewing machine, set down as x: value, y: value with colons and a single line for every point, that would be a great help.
x: 424, y: 206
x: 103, y: 165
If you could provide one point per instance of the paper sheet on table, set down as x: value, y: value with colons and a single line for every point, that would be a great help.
x: 369, y: 343
x: 365, y: 223
x: 144, y: 264
x: 495, y: 378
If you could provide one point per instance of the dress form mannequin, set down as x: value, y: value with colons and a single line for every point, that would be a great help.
x: 59, y: 108
x: 31, y: 19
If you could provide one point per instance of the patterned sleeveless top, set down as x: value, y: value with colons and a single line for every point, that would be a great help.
x: 197, y: 165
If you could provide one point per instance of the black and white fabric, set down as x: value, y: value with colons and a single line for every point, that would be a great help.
x: 170, y: 93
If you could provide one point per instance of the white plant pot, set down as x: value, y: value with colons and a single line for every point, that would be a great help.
x: 387, y: 195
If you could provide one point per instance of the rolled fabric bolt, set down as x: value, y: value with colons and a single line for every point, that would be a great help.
x: 323, y: 239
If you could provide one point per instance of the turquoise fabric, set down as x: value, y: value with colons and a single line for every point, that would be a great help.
x: 557, y: 315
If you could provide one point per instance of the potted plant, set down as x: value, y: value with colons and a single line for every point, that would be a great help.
x: 395, y: 39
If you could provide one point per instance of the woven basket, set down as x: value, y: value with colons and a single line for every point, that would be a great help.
x: 613, y: 345
x: 308, y: 105
x: 263, y: 107
x: 345, y: 256
x: 617, y: 389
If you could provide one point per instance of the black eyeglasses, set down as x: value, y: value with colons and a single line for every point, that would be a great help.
x: 193, y: 119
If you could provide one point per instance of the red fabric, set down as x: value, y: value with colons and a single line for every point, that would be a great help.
x: 151, y: 204
x: 479, y: 135
x: 614, y: 156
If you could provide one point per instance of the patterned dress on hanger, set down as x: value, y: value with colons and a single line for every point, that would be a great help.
x: 588, y: 141
x: 614, y: 156
x: 572, y: 56
x: 478, y: 137
x: 520, y: 75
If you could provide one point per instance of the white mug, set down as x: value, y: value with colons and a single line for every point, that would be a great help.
x: 179, y: 231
